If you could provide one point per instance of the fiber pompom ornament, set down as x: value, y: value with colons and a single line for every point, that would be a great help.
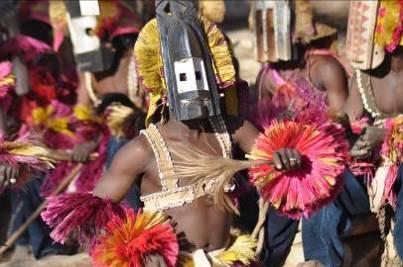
x: 25, y: 154
x: 7, y: 84
x: 128, y: 241
x: 392, y: 156
x: 79, y: 215
x: 298, y: 193
x: 7, y: 80
x: 25, y: 46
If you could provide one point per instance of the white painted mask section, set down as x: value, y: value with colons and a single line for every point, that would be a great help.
x: 190, y: 75
x: 89, y: 8
x: 83, y: 42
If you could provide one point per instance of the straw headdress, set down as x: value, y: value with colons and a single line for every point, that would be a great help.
x: 305, y: 24
x: 212, y: 10
x: 150, y: 65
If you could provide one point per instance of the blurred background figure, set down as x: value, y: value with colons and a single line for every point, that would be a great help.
x: 299, y: 69
x: 29, y: 48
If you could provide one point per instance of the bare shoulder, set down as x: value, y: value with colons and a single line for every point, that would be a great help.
x: 137, y: 150
x: 139, y: 144
x: 238, y: 123
x: 327, y: 66
x: 128, y: 165
x: 242, y: 132
x: 329, y: 75
x: 233, y: 123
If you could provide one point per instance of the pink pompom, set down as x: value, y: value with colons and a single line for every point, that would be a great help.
x: 79, y: 215
x: 25, y: 46
x: 301, y: 192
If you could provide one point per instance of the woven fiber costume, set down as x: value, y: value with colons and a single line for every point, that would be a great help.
x: 186, y: 78
x: 277, y: 33
x: 116, y: 26
x: 292, y: 47
x: 367, y: 49
x: 189, y: 83
x: 374, y: 31
x: 23, y: 153
x: 39, y: 83
x: 186, y: 183
x: 286, y: 32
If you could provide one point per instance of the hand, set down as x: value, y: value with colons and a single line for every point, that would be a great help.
x: 285, y: 115
x: 368, y: 142
x: 287, y: 159
x: 82, y: 152
x: 155, y: 261
x: 8, y: 175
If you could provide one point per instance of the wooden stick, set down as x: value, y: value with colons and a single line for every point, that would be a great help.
x: 263, y: 208
x: 260, y: 242
x: 65, y: 182
x: 63, y: 155
x: 258, y: 232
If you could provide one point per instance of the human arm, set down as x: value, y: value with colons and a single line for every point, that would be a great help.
x: 82, y: 92
x: 155, y: 260
x: 265, y: 86
x: 329, y: 74
x: 245, y: 135
x: 128, y: 164
x: 371, y: 138
x: 82, y: 150
x: 369, y: 142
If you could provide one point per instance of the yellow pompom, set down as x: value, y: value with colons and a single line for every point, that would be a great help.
x: 57, y: 14
x: 85, y: 113
x: 9, y: 80
x: 116, y: 118
x: 44, y: 117
x: 243, y: 250
x: 220, y: 53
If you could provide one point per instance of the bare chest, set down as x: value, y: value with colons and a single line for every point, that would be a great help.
x: 388, y: 94
x: 119, y: 82
x: 157, y: 169
x: 187, y: 202
x: 111, y: 84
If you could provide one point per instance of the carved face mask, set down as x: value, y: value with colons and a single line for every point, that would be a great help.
x: 361, y: 48
x: 91, y: 53
x: 273, y: 30
x: 188, y: 70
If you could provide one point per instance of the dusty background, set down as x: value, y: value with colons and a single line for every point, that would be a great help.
x: 333, y: 13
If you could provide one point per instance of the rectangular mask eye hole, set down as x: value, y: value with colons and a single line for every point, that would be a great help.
x: 190, y: 75
x: 182, y: 77
x: 198, y: 75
